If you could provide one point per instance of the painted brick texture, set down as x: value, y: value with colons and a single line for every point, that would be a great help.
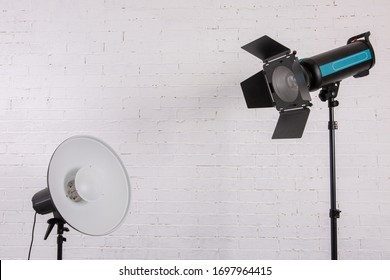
x: 159, y: 81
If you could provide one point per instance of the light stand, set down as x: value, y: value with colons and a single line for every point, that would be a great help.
x: 285, y: 83
x: 329, y: 93
x: 60, y: 222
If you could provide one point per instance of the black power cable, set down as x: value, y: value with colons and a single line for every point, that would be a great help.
x: 32, y: 235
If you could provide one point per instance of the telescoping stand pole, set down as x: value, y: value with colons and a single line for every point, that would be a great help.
x: 60, y: 222
x: 329, y: 93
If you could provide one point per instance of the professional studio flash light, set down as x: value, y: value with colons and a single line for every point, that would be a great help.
x: 87, y: 188
x: 285, y: 80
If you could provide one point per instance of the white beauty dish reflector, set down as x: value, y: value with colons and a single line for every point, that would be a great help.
x: 88, y: 187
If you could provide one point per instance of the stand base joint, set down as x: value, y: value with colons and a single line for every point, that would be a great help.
x: 333, y: 125
x: 335, y: 213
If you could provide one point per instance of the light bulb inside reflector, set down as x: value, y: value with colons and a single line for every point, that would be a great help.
x: 88, y: 184
x: 285, y: 84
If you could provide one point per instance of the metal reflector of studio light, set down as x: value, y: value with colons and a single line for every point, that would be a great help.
x: 285, y: 80
x: 87, y: 188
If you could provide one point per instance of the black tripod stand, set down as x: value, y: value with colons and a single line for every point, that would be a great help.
x: 329, y: 93
x: 60, y: 222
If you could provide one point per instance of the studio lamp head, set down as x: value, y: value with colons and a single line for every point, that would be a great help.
x: 285, y: 81
x: 87, y: 188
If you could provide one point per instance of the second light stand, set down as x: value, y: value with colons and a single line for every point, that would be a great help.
x: 329, y: 93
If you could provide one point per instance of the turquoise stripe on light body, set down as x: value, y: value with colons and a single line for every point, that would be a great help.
x: 345, y: 62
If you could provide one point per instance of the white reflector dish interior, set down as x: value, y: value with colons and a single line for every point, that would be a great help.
x: 101, y: 180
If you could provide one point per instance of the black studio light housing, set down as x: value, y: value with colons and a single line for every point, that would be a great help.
x: 285, y: 81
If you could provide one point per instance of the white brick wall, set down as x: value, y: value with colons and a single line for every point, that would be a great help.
x: 159, y: 81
